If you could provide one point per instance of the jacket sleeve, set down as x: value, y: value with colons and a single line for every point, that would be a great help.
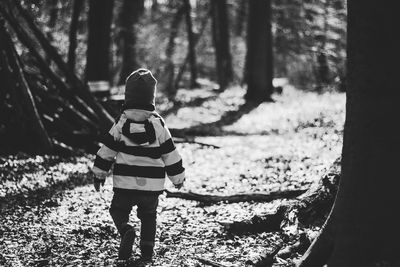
x: 105, y: 157
x: 172, y: 159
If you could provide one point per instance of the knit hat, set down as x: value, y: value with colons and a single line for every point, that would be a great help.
x: 140, y: 90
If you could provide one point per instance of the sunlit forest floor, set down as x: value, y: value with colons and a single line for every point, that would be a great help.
x: 51, y: 215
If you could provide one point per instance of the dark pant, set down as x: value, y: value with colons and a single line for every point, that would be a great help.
x: 121, y: 207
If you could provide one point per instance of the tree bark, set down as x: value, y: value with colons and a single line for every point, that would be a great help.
x: 240, y: 17
x: 57, y: 80
x: 256, y: 197
x: 154, y: 8
x: 77, y: 8
x: 98, y: 51
x: 259, y: 65
x: 364, y: 217
x: 321, y: 248
x: 322, y: 68
x: 187, y: 58
x: 44, y: 103
x: 77, y: 86
x: 24, y: 94
x: 130, y: 13
x: 220, y: 32
x: 191, y: 45
x: 54, y: 8
x: 169, y: 72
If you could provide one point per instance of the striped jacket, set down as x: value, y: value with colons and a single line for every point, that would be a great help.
x: 142, y: 151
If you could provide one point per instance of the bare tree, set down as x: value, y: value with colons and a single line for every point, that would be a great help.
x: 259, y: 65
x: 98, y: 59
x: 76, y: 11
x: 54, y: 9
x: 169, y: 72
x: 130, y: 13
x: 220, y: 30
x: 362, y: 229
x: 13, y: 77
x: 191, y: 44
x: 241, y: 12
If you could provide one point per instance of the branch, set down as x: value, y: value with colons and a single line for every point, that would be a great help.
x: 26, y: 98
x: 80, y: 88
x: 257, y: 224
x: 256, y: 197
x: 23, y: 36
x: 309, y: 207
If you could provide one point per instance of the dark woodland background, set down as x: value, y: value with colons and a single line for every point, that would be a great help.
x: 184, y: 43
x: 285, y: 113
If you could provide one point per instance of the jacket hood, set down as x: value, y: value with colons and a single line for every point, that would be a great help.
x: 138, y: 126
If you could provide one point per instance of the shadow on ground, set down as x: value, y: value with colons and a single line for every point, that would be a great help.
x: 45, y: 195
x: 216, y: 128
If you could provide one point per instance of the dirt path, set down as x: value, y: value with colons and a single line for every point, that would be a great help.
x: 281, y: 145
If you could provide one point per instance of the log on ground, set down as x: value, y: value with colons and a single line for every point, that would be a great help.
x: 255, y: 197
x: 310, y: 208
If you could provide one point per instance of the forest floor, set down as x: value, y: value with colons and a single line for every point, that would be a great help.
x: 51, y: 215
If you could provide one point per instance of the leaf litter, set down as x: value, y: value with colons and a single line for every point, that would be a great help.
x: 51, y: 215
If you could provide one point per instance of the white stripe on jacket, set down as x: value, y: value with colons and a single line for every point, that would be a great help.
x: 140, y: 167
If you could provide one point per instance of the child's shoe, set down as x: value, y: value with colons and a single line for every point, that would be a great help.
x: 125, y: 247
x: 147, y: 252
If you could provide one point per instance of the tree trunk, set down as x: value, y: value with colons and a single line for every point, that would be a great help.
x: 259, y: 64
x: 322, y: 69
x: 80, y: 89
x: 54, y: 7
x: 207, y: 199
x: 18, y: 81
x: 220, y: 30
x: 130, y: 12
x: 43, y: 102
x: 191, y: 45
x: 77, y: 8
x: 154, y: 8
x: 98, y: 51
x: 23, y: 36
x: 185, y: 62
x: 240, y: 17
x: 366, y: 225
x: 169, y: 72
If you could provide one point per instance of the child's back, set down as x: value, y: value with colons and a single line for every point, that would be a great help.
x: 142, y: 150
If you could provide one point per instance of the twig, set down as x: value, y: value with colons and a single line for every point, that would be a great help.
x: 210, y: 262
x: 256, y: 197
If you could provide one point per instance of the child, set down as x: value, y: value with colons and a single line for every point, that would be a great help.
x: 143, y: 151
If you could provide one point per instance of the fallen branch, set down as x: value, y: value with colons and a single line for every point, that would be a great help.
x: 25, y: 98
x: 310, y: 207
x: 257, y: 224
x: 210, y: 262
x: 78, y: 87
x: 61, y: 113
x: 43, y: 65
x: 269, y: 259
x: 213, y: 199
